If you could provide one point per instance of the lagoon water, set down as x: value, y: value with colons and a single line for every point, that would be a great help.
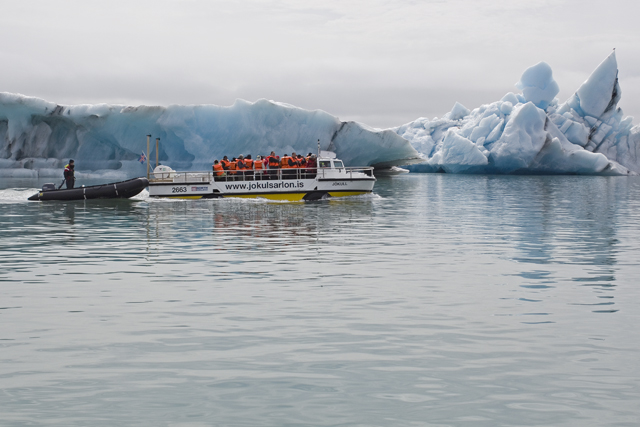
x: 442, y: 300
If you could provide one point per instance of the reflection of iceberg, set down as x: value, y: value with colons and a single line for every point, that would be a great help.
x: 39, y: 136
x: 531, y: 133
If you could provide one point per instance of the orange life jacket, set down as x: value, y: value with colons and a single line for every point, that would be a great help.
x: 258, y: 165
x: 284, y: 162
x: 219, y: 171
x: 241, y: 165
x: 248, y: 164
x: 233, y: 166
x: 225, y: 164
x: 273, y: 162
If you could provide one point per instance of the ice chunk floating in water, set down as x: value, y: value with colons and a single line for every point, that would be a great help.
x: 529, y: 132
x: 39, y: 136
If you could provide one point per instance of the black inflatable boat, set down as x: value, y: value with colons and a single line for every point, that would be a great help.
x: 116, y: 190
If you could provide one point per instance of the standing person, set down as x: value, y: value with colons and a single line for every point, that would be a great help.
x: 69, y: 174
x: 233, y: 167
x: 302, y: 163
x: 248, y: 165
x: 258, y: 167
x: 218, y: 170
x: 241, y: 167
x: 225, y: 163
x: 274, y: 164
x: 284, y: 165
x: 312, y: 165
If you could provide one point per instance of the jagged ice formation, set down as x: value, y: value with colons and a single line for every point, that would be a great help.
x: 38, y: 137
x: 530, y: 132
x: 527, y: 132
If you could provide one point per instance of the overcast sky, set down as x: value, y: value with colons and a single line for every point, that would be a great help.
x: 383, y: 63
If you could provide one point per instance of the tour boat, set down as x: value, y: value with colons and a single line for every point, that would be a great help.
x: 330, y: 179
x: 116, y: 190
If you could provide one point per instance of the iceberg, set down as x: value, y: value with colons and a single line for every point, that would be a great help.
x: 38, y: 137
x: 531, y: 133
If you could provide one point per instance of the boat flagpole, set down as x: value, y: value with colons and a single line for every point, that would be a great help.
x: 157, y: 143
x: 148, y: 137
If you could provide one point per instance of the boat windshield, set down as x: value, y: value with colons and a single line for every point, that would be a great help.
x: 338, y: 163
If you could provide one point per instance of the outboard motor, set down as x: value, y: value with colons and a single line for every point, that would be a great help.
x: 48, y: 187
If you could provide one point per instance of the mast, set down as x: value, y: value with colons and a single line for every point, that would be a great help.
x: 148, y: 137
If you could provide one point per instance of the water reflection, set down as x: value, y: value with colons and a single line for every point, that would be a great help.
x: 445, y: 298
x: 257, y: 227
x: 553, y: 232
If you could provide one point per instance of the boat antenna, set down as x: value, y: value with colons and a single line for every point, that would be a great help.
x: 318, y: 148
x: 157, y: 143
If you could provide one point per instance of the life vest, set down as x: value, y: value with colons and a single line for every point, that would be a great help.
x: 293, y: 163
x: 302, y: 162
x: 240, y: 165
x: 225, y: 164
x: 219, y: 170
x: 248, y: 164
x: 258, y: 165
x: 233, y: 166
x: 68, y: 172
x: 284, y: 162
x: 273, y: 162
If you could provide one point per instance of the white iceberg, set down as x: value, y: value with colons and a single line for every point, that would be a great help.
x: 39, y: 136
x: 530, y: 133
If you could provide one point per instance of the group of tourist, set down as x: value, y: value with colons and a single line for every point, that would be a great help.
x: 265, y: 167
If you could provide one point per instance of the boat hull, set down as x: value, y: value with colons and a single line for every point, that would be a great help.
x: 289, y: 190
x: 116, y: 190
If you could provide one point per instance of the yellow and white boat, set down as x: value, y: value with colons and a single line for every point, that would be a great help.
x: 331, y: 178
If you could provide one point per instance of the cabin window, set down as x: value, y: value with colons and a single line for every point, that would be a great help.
x: 338, y: 164
x: 325, y: 164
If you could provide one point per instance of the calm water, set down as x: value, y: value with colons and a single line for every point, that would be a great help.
x: 439, y: 301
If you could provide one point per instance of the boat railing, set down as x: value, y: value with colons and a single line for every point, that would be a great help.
x: 264, y: 174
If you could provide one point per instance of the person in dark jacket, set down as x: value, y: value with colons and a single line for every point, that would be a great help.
x: 69, y: 177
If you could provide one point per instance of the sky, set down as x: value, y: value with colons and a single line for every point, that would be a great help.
x: 382, y: 63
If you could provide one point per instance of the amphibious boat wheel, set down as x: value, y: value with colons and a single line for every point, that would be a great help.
x: 314, y: 195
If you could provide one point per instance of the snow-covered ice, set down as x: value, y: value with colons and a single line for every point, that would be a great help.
x: 530, y: 132
x: 107, y: 140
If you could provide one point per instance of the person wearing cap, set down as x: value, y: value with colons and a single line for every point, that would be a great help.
x: 69, y: 174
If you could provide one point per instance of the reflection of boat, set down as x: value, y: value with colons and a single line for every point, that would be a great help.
x: 330, y: 178
x: 393, y: 170
x: 116, y: 190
